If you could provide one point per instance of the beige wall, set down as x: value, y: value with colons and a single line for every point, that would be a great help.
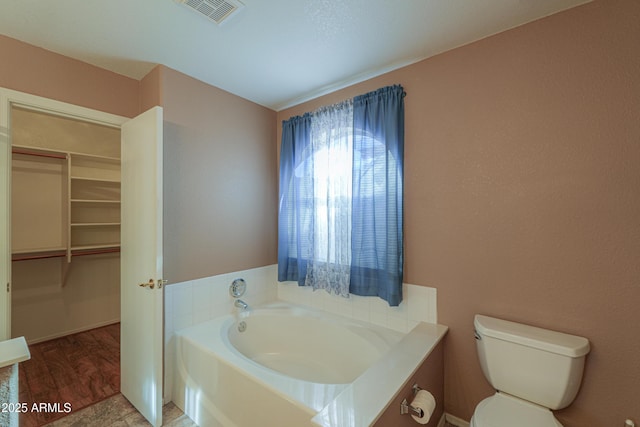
x: 59, y: 294
x: 37, y: 71
x: 220, y: 184
x: 151, y: 89
x: 522, y: 194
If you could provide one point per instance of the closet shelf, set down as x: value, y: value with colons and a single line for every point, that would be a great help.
x: 88, y: 203
x: 38, y: 153
x: 117, y: 202
x: 103, y: 248
x: 95, y: 224
x: 64, y: 152
x: 97, y: 157
x: 38, y: 250
x: 85, y: 178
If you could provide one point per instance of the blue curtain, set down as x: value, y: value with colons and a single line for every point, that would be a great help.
x: 377, y: 196
x: 376, y: 252
x: 294, y: 220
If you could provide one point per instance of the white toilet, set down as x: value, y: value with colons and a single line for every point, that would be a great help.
x: 534, y: 370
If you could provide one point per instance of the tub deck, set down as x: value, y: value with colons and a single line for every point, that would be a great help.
x: 363, y: 401
x: 217, y: 386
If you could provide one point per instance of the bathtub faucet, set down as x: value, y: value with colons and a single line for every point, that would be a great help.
x: 241, y: 304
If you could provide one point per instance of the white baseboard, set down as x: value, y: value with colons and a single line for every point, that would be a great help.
x: 442, y: 420
x: 72, y: 331
x: 459, y: 422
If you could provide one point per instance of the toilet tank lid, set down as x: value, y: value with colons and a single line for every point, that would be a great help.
x: 531, y: 336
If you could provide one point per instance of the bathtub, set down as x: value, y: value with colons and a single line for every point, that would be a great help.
x: 283, y: 365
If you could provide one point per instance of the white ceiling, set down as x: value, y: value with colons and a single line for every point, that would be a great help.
x: 276, y: 53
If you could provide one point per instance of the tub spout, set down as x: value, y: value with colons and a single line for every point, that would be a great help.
x: 241, y: 304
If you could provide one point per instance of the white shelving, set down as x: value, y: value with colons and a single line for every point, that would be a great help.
x: 94, y: 204
x: 88, y: 212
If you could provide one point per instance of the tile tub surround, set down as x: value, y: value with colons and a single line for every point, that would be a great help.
x: 418, y: 305
x: 196, y: 301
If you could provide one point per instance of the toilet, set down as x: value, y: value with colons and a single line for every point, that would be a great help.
x: 534, y: 371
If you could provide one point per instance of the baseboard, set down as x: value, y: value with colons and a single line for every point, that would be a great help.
x: 442, y: 420
x: 458, y: 422
x: 72, y: 331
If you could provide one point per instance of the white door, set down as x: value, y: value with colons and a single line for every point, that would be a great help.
x: 141, y: 348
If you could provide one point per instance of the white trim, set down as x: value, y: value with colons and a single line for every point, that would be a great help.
x: 9, y: 97
x: 74, y: 331
x: 51, y: 106
x: 5, y: 220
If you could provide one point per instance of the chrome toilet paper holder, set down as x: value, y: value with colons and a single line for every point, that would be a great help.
x: 405, y: 408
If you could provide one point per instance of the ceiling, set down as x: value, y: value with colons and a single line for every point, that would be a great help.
x: 276, y: 53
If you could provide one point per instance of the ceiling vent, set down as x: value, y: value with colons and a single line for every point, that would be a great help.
x: 215, y: 10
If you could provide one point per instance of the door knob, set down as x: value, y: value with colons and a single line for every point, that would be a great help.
x: 150, y: 284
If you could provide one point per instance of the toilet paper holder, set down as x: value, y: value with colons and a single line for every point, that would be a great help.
x: 405, y: 408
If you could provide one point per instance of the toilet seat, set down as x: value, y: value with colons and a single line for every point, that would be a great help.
x: 503, y: 410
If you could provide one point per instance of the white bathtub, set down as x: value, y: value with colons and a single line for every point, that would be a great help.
x: 293, y: 367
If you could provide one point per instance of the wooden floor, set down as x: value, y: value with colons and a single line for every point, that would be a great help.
x: 79, y: 369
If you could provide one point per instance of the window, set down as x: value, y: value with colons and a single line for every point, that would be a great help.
x: 340, y: 211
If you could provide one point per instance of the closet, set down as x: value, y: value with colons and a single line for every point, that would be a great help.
x: 65, y: 224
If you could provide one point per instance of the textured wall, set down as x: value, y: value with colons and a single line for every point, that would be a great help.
x: 522, y: 200
x: 37, y: 71
x: 220, y: 180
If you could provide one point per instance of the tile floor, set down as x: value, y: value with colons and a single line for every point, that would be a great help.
x: 116, y: 411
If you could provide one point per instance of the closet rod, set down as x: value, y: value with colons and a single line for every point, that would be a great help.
x: 43, y: 256
x: 96, y: 252
x: 30, y: 153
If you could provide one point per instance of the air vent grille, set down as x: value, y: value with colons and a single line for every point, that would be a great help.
x: 215, y: 10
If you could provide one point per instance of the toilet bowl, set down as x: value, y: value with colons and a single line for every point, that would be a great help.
x: 503, y: 410
x: 534, y: 371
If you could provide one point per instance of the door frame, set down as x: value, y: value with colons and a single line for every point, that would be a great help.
x: 9, y: 97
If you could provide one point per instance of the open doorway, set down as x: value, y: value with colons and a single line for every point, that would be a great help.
x: 65, y: 261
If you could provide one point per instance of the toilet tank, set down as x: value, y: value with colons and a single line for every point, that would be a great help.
x: 534, y: 364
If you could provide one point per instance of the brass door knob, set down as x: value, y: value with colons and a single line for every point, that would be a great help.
x: 150, y: 284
